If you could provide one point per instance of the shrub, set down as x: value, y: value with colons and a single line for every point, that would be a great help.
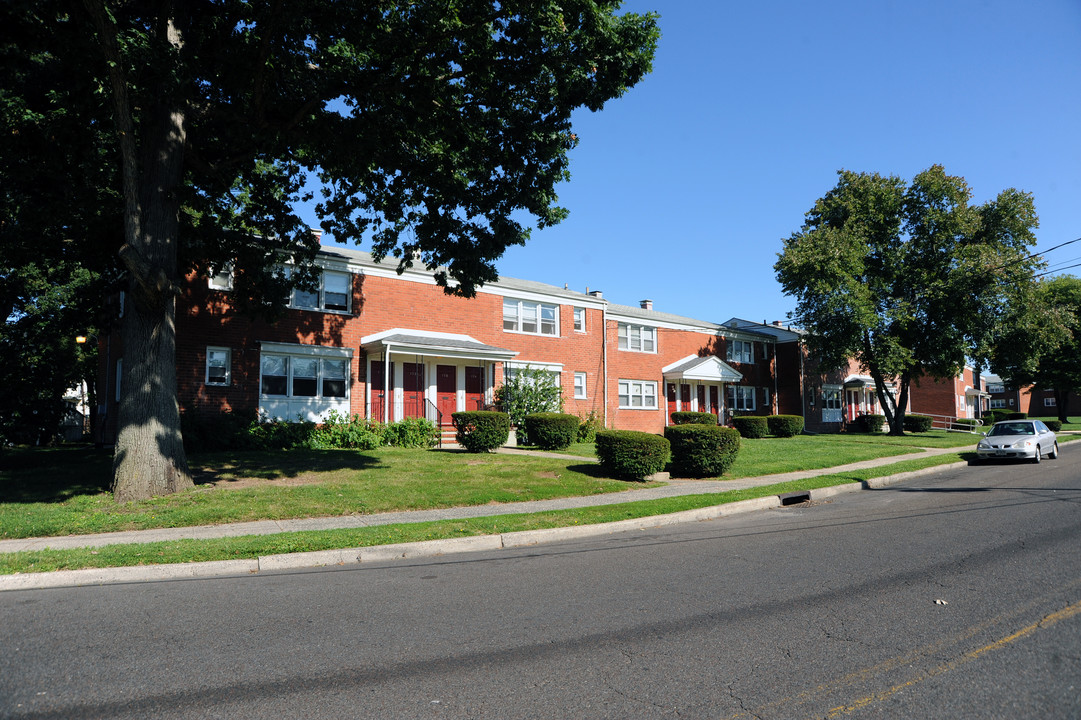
x: 481, y: 430
x: 345, y: 432
x: 412, y: 433
x: 1053, y: 425
x: 693, y: 418
x: 784, y: 425
x: 207, y: 431
x: 631, y: 455
x: 587, y: 429
x: 870, y: 423
x: 1017, y: 416
x: 751, y: 426
x: 702, y: 450
x: 918, y: 423
x: 268, y: 434
x: 551, y: 431
x: 526, y: 391
x: 994, y: 416
x: 969, y: 423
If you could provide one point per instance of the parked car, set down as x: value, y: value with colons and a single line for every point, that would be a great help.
x: 1028, y: 439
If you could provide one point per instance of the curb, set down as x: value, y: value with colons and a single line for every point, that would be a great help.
x: 426, y: 548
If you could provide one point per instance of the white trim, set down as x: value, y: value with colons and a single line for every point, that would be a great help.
x: 228, y: 366
x: 630, y: 396
x: 534, y: 365
x: 298, y: 349
x: 585, y: 387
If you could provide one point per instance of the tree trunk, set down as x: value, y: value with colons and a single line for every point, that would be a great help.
x: 1061, y: 399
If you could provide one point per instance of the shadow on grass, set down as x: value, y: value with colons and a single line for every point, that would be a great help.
x: 226, y: 465
x: 53, y: 475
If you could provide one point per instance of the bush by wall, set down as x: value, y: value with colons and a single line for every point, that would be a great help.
x: 206, y: 431
x: 784, y: 425
x: 481, y: 430
x: 631, y: 455
x: 1053, y: 425
x: 412, y: 433
x: 870, y: 423
x: 551, y: 431
x: 587, y: 429
x: 345, y: 432
x: 526, y: 391
x: 918, y: 423
x: 997, y: 415
x: 751, y: 426
x: 702, y: 450
x: 693, y: 418
x: 1017, y: 416
x: 969, y: 423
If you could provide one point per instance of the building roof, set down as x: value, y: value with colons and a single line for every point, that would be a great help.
x: 777, y: 332
x: 709, y: 368
x: 421, y: 342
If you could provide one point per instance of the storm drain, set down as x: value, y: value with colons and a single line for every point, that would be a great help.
x: 795, y: 498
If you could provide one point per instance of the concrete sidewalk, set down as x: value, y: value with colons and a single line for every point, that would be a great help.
x: 674, y: 488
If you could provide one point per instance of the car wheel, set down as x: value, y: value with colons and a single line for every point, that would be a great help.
x: 1038, y: 456
x: 1054, y: 451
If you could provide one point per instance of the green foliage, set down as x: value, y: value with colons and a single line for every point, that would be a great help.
x: 870, y: 423
x: 1053, y: 425
x: 481, y: 430
x: 632, y: 455
x: 918, y: 423
x: 528, y: 390
x: 587, y: 430
x: 908, y: 278
x: 784, y: 425
x: 997, y: 415
x: 343, y: 432
x: 702, y: 450
x: 212, y: 431
x: 552, y: 431
x: 1017, y: 416
x: 970, y: 423
x: 693, y: 418
x: 751, y: 426
x: 411, y: 433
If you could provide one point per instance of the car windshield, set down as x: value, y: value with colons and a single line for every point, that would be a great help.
x: 1015, y: 428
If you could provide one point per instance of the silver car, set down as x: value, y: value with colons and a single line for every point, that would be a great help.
x: 1028, y: 439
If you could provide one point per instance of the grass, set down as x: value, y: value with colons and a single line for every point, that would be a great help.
x: 255, y: 546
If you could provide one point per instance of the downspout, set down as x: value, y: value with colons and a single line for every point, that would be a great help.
x: 388, y: 385
x: 776, y: 368
x: 604, y: 363
x: 802, y: 387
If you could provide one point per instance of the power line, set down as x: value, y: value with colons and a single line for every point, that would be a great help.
x: 1049, y: 272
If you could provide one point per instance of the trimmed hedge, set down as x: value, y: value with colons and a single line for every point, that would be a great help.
x: 631, y: 455
x: 784, y: 425
x: 918, y: 423
x: 702, y: 450
x: 997, y: 415
x: 481, y: 430
x: 693, y: 418
x: 1017, y: 416
x: 969, y: 422
x: 550, y: 430
x: 412, y: 433
x: 1053, y: 425
x: 751, y: 426
x: 870, y: 423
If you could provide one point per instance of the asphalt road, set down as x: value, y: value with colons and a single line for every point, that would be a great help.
x: 956, y: 595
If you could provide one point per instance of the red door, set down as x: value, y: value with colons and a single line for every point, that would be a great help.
x: 446, y: 391
x: 684, y: 397
x: 701, y: 398
x: 378, y: 391
x: 413, y: 390
x: 714, y: 402
x: 474, y: 388
x: 671, y: 400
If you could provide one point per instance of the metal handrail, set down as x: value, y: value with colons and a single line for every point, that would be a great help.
x: 429, y: 407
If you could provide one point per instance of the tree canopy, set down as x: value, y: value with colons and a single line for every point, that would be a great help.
x: 1042, y: 343
x: 433, y: 127
x: 908, y: 279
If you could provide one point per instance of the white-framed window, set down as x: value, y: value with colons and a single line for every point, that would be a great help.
x: 579, y: 385
x: 331, y: 294
x: 637, y: 338
x: 553, y: 371
x: 998, y: 404
x: 532, y: 318
x: 741, y: 397
x: 996, y: 388
x: 638, y: 394
x: 831, y: 398
x: 1049, y: 402
x: 741, y: 351
x: 217, y: 365
x: 303, y: 376
x: 221, y: 278
x: 579, y: 319
x: 765, y: 397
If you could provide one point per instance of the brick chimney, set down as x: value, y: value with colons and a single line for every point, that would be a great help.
x: 646, y: 304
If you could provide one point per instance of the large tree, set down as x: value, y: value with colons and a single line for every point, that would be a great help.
x: 1041, y: 345
x: 908, y: 279
x: 435, y: 127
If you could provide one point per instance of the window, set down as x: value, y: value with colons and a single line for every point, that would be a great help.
x: 217, y: 366
x: 765, y: 397
x: 741, y: 351
x: 638, y: 338
x: 579, y: 384
x: 580, y: 319
x: 638, y: 394
x: 331, y: 293
x: 997, y: 404
x: 831, y: 398
x: 119, y: 375
x: 996, y: 388
x: 533, y: 318
x: 741, y: 397
x: 304, y: 376
x: 221, y: 278
x: 1049, y: 402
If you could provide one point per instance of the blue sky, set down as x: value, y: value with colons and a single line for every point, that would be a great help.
x: 683, y: 190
